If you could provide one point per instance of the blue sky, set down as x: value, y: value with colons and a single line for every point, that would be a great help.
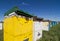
x: 47, y: 9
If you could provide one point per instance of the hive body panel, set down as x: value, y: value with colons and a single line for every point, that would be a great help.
x: 18, y: 29
x: 37, y: 30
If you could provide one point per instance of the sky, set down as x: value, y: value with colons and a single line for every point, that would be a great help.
x: 47, y: 9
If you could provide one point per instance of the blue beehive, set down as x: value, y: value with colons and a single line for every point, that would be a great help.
x: 52, y: 23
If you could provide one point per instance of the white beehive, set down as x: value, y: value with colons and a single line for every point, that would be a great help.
x: 45, y: 26
x: 1, y: 25
x: 37, y: 30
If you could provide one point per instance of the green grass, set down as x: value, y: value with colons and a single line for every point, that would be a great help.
x: 1, y: 35
x: 52, y: 35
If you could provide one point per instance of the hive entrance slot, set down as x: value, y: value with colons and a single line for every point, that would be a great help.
x: 26, y: 39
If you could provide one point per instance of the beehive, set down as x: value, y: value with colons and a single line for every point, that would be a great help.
x: 53, y: 23
x: 1, y: 25
x: 37, y: 28
x: 45, y: 25
x: 18, y: 26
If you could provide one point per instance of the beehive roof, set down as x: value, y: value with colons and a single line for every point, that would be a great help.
x: 46, y: 20
x: 35, y: 18
x: 19, y: 12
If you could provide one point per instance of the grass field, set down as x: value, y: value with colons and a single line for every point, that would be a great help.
x: 1, y: 35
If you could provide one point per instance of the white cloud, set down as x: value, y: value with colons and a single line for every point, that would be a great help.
x: 23, y: 3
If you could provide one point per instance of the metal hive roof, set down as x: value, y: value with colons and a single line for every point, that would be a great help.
x: 19, y: 12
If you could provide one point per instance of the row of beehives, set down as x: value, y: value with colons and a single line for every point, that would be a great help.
x: 20, y: 26
x: 41, y: 25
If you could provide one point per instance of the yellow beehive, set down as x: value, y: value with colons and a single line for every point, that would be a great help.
x: 18, y: 28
